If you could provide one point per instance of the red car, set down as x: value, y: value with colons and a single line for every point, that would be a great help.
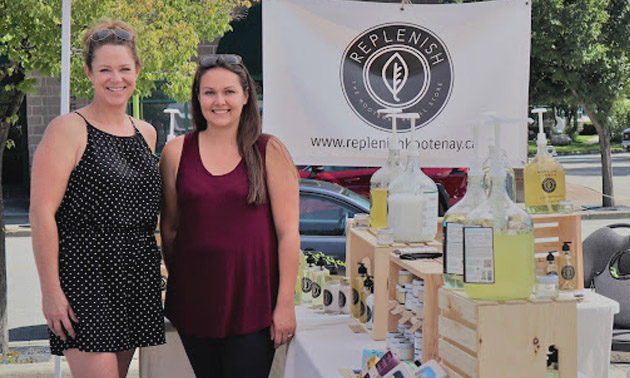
x: 451, y: 181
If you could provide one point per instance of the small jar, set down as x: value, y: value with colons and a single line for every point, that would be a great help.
x: 417, y: 354
x: 417, y: 340
x: 403, y: 328
x: 400, y: 294
x: 419, y: 309
x: 416, y: 286
x: 404, y: 277
x: 566, y: 207
x: 361, y: 221
x: 384, y: 236
x: 405, y: 351
x: 409, y: 298
x: 546, y: 287
x: 420, y: 292
x: 391, y: 338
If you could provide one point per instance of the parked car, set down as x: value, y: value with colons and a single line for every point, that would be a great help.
x: 625, y: 143
x: 451, y: 181
x: 324, y: 208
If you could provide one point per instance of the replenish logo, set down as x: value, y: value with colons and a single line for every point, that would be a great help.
x: 397, y: 65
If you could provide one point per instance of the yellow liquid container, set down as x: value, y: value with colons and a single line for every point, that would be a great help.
x: 378, y: 209
x: 513, y: 270
x: 544, y: 185
x: 499, y: 243
x: 357, y: 287
x: 379, y: 182
x: 544, y: 176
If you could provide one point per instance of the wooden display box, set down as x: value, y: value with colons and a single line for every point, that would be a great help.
x: 505, y: 339
x: 430, y: 270
x: 361, y: 247
x: 551, y: 231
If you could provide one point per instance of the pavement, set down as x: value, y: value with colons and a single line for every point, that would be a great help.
x: 29, y: 354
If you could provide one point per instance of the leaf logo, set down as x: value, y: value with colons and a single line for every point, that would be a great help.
x: 399, y: 74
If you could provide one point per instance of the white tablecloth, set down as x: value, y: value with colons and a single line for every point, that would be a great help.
x: 324, y: 342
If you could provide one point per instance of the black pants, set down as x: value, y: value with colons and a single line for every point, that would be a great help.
x: 241, y: 356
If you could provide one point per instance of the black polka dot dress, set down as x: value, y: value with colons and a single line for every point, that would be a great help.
x: 109, y: 263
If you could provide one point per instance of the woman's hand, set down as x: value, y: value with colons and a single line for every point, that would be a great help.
x: 59, y: 314
x: 283, y: 324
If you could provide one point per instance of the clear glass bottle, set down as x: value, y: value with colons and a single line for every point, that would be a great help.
x: 382, y: 178
x: 544, y: 179
x: 499, y: 240
x: 413, y: 200
x: 453, y: 222
x: 510, y: 182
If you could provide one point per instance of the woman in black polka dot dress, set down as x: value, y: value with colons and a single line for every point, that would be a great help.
x: 94, y: 205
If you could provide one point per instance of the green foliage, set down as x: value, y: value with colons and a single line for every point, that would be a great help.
x: 579, y: 53
x: 169, y: 32
x: 619, y: 119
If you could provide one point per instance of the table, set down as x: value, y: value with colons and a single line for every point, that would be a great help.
x: 324, y: 342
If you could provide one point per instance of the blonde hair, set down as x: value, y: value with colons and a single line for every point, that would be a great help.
x: 90, y: 46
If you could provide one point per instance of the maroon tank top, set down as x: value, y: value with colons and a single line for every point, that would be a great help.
x: 224, y: 275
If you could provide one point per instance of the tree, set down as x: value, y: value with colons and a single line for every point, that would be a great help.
x: 581, y: 53
x: 30, y: 41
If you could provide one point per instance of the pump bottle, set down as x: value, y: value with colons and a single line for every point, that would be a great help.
x: 499, y: 242
x: 319, y: 279
x: 357, y: 286
x: 543, y: 176
x: 567, y: 268
x: 413, y: 198
x: 383, y: 177
x: 307, y: 279
x: 453, y: 223
x: 364, y: 312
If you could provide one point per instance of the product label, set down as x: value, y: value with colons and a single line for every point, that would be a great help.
x: 478, y: 255
x: 355, y: 296
x: 342, y: 299
x: 568, y: 272
x: 544, y: 185
x: 307, y: 285
x: 369, y: 314
x: 317, y: 290
x: 328, y: 297
x: 549, y: 185
x: 454, y: 248
x: 429, y: 224
x: 361, y: 309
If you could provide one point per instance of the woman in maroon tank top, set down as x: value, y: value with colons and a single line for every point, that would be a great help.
x: 229, y: 228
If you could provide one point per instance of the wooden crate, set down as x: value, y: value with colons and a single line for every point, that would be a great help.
x: 505, y: 339
x: 361, y: 247
x: 551, y: 230
x: 431, y: 272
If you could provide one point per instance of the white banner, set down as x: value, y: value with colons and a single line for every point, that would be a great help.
x: 329, y: 65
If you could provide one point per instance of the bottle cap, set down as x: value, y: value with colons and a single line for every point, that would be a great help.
x: 368, y: 282
x: 550, y: 256
x: 566, y: 246
x: 362, y: 268
x: 321, y: 261
x: 310, y: 259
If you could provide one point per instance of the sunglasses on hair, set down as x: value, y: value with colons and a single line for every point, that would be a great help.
x: 119, y: 33
x: 211, y: 60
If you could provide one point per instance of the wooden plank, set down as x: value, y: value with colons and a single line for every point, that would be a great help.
x: 464, y: 362
x: 530, y: 328
x: 452, y: 372
x: 457, y: 332
x: 457, y: 307
x: 546, y: 232
x: 430, y: 332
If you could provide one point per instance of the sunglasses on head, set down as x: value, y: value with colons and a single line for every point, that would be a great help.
x: 100, y: 35
x: 211, y: 60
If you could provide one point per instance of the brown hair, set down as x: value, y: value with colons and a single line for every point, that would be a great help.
x: 249, y: 127
x: 90, y: 46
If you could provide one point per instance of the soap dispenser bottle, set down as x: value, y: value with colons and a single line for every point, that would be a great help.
x: 307, y: 279
x: 357, y: 287
x: 499, y: 242
x: 319, y: 279
x: 543, y: 176
x: 383, y: 177
x: 365, y: 292
x: 567, y: 268
x: 453, y: 223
